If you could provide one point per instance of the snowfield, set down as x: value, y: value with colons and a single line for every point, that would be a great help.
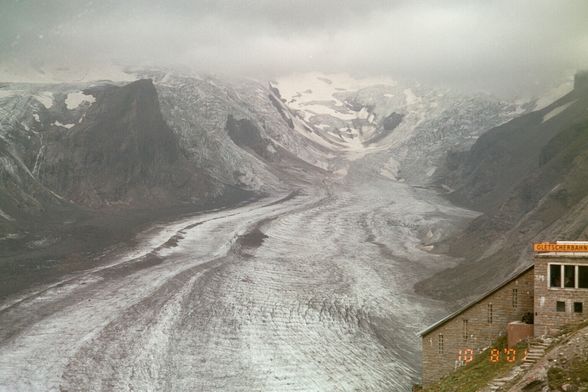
x: 73, y: 100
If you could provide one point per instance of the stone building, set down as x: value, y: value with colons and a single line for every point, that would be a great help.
x: 553, y: 292
x: 454, y: 340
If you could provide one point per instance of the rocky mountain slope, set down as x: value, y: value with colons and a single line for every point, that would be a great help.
x: 23, y: 197
x: 529, y: 177
x: 82, y: 165
x: 107, y: 145
x: 121, y: 152
x: 407, y: 126
x: 74, y: 147
x: 214, y: 116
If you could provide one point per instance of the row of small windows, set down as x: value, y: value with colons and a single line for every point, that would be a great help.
x: 568, y: 276
x: 490, y: 319
x: 560, y: 306
x: 490, y: 308
x: 440, y: 341
x: 465, y: 325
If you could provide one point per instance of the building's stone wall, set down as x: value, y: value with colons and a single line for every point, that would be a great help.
x: 547, y: 319
x: 481, y: 333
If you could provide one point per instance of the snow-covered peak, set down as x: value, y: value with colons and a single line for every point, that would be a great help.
x: 317, y: 94
x: 350, y: 114
x: 322, y: 87
x: 411, y: 123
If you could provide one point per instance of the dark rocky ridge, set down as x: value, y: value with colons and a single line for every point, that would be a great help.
x: 122, y: 152
x: 503, y: 157
x: 279, y: 106
x: 392, y: 121
x: 389, y: 124
x: 245, y: 134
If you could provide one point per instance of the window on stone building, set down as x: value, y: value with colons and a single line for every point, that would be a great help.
x: 490, y: 313
x: 583, y: 276
x: 560, y: 306
x: 578, y: 307
x: 515, y: 298
x: 440, y: 347
x: 465, y: 330
x: 555, y: 275
x: 570, y: 276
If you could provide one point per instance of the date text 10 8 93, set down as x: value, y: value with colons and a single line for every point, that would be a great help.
x: 465, y: 356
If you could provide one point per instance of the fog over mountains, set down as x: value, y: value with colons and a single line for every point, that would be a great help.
x: 510, y: 48
x: 273, y: 196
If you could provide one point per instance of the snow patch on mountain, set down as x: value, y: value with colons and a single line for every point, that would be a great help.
x: 75, y: 99
x: 7, y: 166
x: 46, y: 98
x: 390, y: 169
x: 59, y: 124
x: 411, y: 98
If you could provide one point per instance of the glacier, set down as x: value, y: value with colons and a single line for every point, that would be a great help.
x: 308, y: 288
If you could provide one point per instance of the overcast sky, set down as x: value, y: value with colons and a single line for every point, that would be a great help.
x: 503, y: 45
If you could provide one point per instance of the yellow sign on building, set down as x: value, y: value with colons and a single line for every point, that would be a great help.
x: 542, y: 247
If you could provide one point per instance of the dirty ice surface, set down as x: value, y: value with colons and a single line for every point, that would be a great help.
x: 305, y: 293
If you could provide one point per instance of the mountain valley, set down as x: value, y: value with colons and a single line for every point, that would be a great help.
x: 230, y: 234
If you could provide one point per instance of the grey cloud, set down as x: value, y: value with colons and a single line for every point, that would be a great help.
x: 506, y: 46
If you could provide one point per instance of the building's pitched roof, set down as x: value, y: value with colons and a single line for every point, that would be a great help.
x: 474, y: 302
